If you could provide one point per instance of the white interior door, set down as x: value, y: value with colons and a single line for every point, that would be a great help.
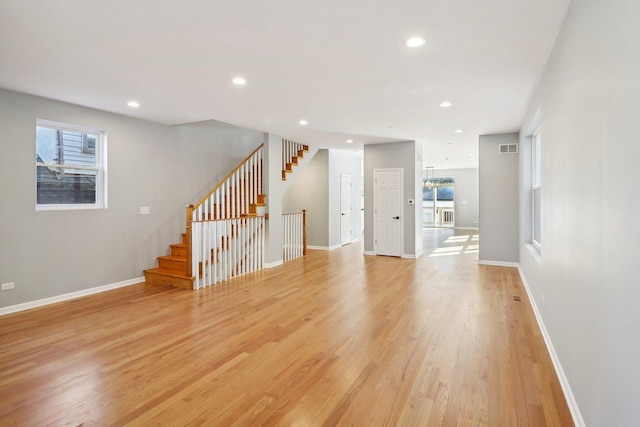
x: 388, y: 218
x: 346, y: 210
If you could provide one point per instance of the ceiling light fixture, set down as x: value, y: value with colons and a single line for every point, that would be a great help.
x: 458, y: 131
x: 416, y: 42
x: 428, y: 180
x: 238, y: 81
x: 303, y: 123
x: 445, y: 104
x: 349, y: 141
x: 133, y: 104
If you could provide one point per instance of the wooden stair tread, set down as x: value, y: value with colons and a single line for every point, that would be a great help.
x: 170, y: 273
x: 160, y: 276
x: 173, y: 258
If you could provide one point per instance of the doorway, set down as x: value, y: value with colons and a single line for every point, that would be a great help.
x: 346, y: 209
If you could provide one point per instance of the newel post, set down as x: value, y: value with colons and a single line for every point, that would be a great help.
x: 304, y: 232
x: 187, y: 239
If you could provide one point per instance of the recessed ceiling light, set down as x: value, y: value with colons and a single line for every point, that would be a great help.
x: 303, y: 123
x: 459, y: 131
x: 445, y: 104
x: 416, y: 42
x: 349, y: 141
x: 133, y: 104
x: 470, y: 155
x: 238, y: 81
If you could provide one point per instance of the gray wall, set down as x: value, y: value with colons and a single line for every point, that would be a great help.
x: 310, y: 190
x: 316, y: 188
x: 274, y: 190
x: 50, y: 253
x: 394, y: 155
x: 588, y: 268
x: 466, y: 197
x: 498, y: 200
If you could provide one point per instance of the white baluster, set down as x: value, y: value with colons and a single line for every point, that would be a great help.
x: 249, y: 183
x: 243, y: 196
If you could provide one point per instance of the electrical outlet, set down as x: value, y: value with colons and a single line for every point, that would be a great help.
x: 7, y: 286
x: 145, y: 210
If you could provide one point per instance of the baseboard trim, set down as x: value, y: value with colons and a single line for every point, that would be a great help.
x: 564, y: 382
x: 408, y: 256
x: 369, y: 253
x: 66, y: 297
x: 499, y: 263
x: 323, y: 248
x: 273, y: 264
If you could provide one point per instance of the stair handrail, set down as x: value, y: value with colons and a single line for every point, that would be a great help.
x: 197, y: 205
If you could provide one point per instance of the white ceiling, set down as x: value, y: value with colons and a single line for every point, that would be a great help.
x: 341, y: 65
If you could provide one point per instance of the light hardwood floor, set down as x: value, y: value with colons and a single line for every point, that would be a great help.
x: 336, y: 338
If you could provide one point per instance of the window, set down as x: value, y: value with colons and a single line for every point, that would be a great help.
x: 88, y: 143
x: 536, y: 189
x: 70, y: 167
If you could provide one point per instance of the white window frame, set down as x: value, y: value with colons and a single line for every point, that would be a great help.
x: 85, y: 144
x: 536, y: 187
x: 100, y: 167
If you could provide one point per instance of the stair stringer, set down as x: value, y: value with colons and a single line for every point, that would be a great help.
x: 302, y: 162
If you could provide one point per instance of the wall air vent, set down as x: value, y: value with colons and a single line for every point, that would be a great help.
x: 508, y: 148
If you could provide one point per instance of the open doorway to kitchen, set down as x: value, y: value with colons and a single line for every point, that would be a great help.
x: 438, y: 200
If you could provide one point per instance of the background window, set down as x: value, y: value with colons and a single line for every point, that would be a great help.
x: 70, y: 171
x: 536, y: 188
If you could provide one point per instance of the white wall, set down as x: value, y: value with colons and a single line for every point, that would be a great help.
x: 585, y: 284
x: 498, y: 200
x: 466, y: 195
x: 51, y: 253
x: 343, y: 162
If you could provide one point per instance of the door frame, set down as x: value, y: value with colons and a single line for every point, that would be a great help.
x: 342, y: 210
x: 375, y: 213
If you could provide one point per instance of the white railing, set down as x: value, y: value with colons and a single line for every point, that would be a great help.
x: 237, y: 195
x: 221, y: 242
x: 222, y: 249
x: 444, y: 217
x: 294, y: 241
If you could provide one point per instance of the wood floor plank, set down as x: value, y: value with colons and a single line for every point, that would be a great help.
x: 336, y: 338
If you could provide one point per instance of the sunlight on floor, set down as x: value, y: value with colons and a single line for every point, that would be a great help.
x: 457, y: 245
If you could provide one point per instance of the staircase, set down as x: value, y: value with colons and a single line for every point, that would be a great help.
x: 171, y: 268
x: 224, y: 233
x: 225, y: 230
x: 291, y: 153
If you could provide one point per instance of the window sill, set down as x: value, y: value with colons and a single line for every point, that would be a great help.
x: 68, y: 207
x: 535, y: 252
